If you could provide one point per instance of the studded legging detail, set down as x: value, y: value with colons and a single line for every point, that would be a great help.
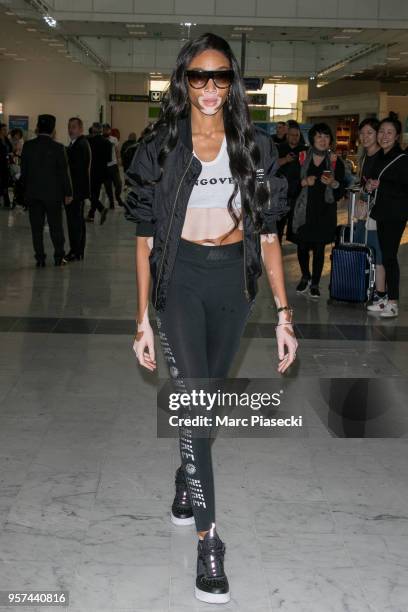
x: 200, y: 329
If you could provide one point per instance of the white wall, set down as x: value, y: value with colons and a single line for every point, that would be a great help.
x: 63, y: 89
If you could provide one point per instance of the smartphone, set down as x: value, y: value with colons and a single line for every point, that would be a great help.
x: 327, y: 173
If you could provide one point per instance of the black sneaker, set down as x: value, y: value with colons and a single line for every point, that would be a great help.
x: 40, y: 263
x: 303, y: 285
x: 314, y: 292
x: 211, y: 583
x: 60, y: 261
x: 181, y: 509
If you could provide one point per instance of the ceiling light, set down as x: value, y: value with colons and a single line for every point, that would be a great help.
x: 137, y: 33
x: 20, y: 59
x: 352, y: 30
x: 403, y: 52
x: 341, y: 36
x: 135, y: 25
x: 243, y: 28
x: 9, y: 13
x: 50, y: 21
x: 236, y: 35
x: 10, y: 54
x: 31, y: 29
x: 393, y: 59
x: 21, y: 21
x: 56, y: 44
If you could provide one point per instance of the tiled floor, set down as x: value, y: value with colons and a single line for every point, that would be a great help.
x: 311, y: 524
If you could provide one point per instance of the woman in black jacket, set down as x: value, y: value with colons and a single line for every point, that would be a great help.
x: 315, y: 212
x: 206, y: 201
x: 390, y: 208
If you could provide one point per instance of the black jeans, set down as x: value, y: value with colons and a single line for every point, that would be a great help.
x: 96, y: 204
x: 76, y: 226
x: 303, y: 253
x: 389, y: 234
x: 113, y: 179
x: 200, y: 329
x: 38, y: 212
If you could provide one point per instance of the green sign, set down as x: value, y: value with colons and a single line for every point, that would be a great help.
x: 259, y: 114
x: 128, y: 98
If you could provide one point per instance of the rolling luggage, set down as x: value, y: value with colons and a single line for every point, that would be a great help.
x: 352, y: 275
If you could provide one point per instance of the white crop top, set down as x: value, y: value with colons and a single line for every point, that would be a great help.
x: 207, y: 215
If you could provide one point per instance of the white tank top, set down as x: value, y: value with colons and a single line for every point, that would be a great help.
x: 207, y: 215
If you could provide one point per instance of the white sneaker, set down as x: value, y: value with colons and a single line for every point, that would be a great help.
x: 390, y: 310
x: 378, y: 305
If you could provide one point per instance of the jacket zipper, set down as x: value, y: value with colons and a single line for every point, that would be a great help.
x: 169, y: 228
x: 246, y: 292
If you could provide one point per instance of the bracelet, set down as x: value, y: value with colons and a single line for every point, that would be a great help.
x: 282, y: 308
x: 286, y: 323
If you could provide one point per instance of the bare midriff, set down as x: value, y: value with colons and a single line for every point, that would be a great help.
x: 211, y: 226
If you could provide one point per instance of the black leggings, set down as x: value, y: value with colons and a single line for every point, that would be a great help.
x: 200, y: 329
x: 303, y: 251
x: 389, y: 235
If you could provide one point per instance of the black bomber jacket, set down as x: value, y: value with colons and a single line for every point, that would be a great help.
x: 159, y: 210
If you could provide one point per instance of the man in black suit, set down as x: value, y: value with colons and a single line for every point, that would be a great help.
x: 101, y: 150
x: 79, y: 159
x: 46, y: 184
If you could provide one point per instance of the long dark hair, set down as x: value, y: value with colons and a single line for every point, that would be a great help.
x: 243, y: 152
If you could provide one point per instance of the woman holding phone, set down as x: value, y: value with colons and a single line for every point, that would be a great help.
x: 390, y: 187
x: 315, y: 212
x: 206, y: 201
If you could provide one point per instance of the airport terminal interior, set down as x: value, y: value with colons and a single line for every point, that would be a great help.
x: 313, y: 521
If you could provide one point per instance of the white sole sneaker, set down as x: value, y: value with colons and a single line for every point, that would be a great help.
x: 389, y: 313
x: 180, y: 522
x: 212, y: 597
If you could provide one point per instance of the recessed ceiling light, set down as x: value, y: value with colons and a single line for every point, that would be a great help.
x: 31, y: 29
x: 61, y: 50
x: 236, y: 35
x: 403, y: 52
x: 352, y: 30
x: 137, y: 33
x: 56, y: 44
x: 10, y: 54
x: 341, y: 36
x: 393, y: 59
x: 243, y: 28
x: 135, y: 25
x: 21, y: 21
x: 9, y: 13
x: 20, y: 59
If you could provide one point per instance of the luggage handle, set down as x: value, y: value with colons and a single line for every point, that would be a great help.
x: 354, y: 193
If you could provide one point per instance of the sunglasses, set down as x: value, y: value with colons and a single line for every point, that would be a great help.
x: 199, y: 78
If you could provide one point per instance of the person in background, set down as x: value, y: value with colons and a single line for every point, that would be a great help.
x: 371, y: 151
x: 5, y: 159
x: 101, y: 154
x: 17, y: 142
x: 113, y: 178
x: 390, y: 208
x: 281, y: 131
x: 127, y: 150
x: 289, y: 162
x: 79, y: 159
x: 46, y: 185
x: 315, y: 212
